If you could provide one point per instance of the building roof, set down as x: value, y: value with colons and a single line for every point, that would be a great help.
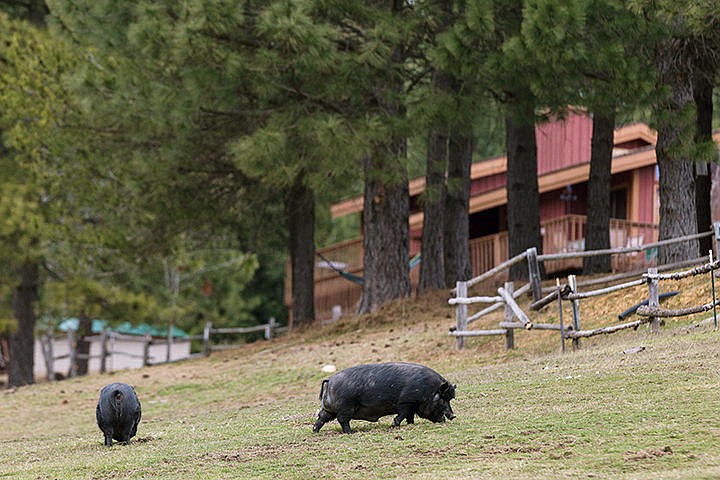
x: 563, y: 158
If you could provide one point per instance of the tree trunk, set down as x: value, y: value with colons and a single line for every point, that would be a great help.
x: 82, y: 345
x: 385, y: 218
x: 300, y: 215
x: 4, y: 353
x: 702, y: 94
x: 432, y: 265
x: 434, y: 255
x: 457, y: 202
x: 674, y: 150
x: 677, y: 208
x: 22, y: 341
x: 386, y: 198
x: 597, y: 234
x: 522, y: 189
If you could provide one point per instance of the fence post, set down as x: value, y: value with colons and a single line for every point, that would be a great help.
x: 73, y: 352
x: 46, y: 341
x: 51, y: 356
x: 712, y: 289
x: 103, y: 350
x: 460, y: 314
x: 168, y: 356
x: 270, y: 328
x: 534, y: 273
x: 509, y: 332
x: 716, y: 230
x: 206, y: 338
x: 560, y: 315
x: 653, y: 299
x: 572, y: 282
x: 146, y: 351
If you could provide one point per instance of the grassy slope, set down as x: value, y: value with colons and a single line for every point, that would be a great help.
x: 530, y: 413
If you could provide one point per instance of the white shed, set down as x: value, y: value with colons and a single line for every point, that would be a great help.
x: 126, y: 347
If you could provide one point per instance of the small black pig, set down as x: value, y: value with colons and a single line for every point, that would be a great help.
x: 118, y: 412
x: 368, y: 392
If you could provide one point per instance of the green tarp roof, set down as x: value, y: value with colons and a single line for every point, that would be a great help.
x: 125, y: 328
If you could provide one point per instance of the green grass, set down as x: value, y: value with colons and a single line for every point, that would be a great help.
x: 532, y: 413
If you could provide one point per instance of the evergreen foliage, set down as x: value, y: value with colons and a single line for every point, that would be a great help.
x: 215, y: 132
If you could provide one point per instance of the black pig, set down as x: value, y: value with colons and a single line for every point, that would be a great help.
x: 118, y: 412
x: 368, y: 392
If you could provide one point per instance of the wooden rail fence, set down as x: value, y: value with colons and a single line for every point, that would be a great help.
x: 515, y: 318
x: 270, y: 330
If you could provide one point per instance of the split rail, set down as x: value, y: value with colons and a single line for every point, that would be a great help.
x: 515, y: 318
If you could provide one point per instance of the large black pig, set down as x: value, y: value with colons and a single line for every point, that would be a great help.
x: 118, y: 412
x: 368, y: 392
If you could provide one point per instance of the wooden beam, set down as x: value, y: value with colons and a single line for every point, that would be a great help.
x: 635, y: 131
x: 519, y: 314
x: 477, y: 333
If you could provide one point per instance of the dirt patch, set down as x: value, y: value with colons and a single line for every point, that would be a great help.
x: 253, y: 452
x: 647, y: 454
x: 434, y: 452
x: 146, y: 439
x: 505, y: 449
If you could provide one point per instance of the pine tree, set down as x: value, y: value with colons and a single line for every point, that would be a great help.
x: 587, y: 55
x: 31, y: 100
x: 456, y: 104
x: 685, y: 34
x: 241, y: 108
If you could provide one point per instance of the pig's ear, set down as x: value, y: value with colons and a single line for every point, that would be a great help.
x: 447, y: 390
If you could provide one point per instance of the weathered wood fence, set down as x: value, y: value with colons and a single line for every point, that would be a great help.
x: 270, y: 330
x: 108, y: 339
x: 515, y: 318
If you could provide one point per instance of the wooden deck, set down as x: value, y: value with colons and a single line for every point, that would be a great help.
x: 564, y: 234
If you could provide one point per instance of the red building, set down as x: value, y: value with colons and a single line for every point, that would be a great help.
x: 563, y: 171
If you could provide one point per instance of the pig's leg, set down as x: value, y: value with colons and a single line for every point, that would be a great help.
x: 108, y: 439
x: 323, y: 417
x: 345, y: 424
x: 405, y: 412
x: 125, y: 436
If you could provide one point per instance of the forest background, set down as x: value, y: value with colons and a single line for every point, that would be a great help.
x: 161, y: 160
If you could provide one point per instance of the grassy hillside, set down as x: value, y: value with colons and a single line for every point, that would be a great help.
x: 530, y: 413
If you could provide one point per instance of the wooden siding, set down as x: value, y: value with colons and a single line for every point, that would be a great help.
x: 563, y: 143
x: 485, y: 184
x: 647, y: 184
